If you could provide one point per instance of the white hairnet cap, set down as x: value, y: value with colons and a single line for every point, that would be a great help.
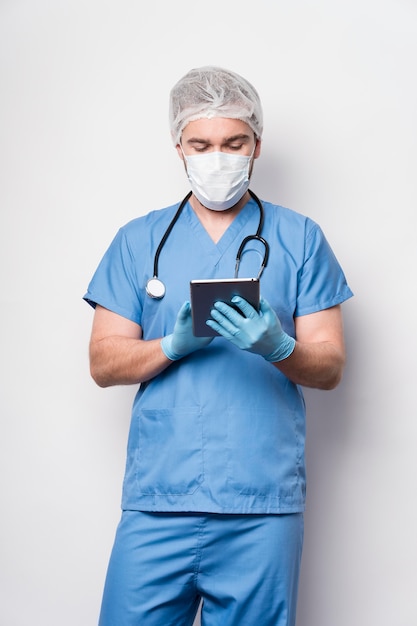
x: 213, y: 92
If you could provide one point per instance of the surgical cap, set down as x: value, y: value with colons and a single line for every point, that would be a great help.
x: 208, y: 92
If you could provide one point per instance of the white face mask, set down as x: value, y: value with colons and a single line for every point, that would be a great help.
x: 218, y: 179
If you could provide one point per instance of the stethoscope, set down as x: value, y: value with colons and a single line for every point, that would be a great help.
x: 155, y: 288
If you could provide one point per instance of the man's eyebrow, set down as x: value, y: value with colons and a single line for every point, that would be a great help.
x: 238, y: 137
x: 197, y: 140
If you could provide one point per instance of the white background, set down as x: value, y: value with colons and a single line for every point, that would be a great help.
x: 85, y: 147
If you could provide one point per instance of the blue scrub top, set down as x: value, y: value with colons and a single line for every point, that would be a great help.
x: 220, y: 430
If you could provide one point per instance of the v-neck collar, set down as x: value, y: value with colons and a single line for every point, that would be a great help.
x: 230, y: 234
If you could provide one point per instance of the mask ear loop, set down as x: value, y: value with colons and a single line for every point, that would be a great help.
x: 184, y: 158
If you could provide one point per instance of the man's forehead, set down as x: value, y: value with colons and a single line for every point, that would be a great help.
x: 220, y: 129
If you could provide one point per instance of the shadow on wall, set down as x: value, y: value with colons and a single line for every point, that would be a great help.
x: 331, y: 424
x: 271, y: 179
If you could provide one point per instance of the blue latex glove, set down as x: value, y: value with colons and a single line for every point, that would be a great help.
x: 182, y: 341
x: 260, y: 333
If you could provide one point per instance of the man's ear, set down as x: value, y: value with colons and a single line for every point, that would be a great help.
x: 257, y: 151
x: 180, y: 152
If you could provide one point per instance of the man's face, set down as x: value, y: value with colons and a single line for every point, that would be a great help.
x: 218, y: 134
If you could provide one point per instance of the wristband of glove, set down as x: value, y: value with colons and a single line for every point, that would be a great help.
x: 166, y: 345
x: 283, y: 350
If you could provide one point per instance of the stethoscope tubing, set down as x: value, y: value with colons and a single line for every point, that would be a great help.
x: 167, y: 233
x: 157, y: 285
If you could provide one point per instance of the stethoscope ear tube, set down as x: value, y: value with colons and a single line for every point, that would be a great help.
x: 241, y: 248
x: 256, y: 237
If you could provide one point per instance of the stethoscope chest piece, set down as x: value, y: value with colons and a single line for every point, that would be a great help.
x: 155, y: 288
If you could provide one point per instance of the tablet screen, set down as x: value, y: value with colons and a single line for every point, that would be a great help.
x: 204, y: 293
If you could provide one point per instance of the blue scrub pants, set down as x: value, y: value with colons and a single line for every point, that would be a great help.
x: 244, y: 568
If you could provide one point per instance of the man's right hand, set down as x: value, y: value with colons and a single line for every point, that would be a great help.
x: 182, y: 341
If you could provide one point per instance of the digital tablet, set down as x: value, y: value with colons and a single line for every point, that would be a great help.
x: 204, y: 293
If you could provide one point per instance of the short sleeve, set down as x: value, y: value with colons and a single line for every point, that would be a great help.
x: 114, y: 284
x: 322, y: 282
